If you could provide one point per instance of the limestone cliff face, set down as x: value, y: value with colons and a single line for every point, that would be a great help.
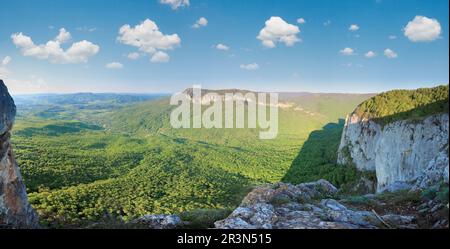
x: 15, y: 210
x: 403, y: 154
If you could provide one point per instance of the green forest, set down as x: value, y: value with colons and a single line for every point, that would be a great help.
x: 405, y: 104
x: 91, y: 158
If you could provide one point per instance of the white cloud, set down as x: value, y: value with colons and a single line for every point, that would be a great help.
x: 301, y: 21
x: 353, y: 27
x: 63, y: 36
x: 392, y: 37
x: 78, y: 52
x: 175, y: 4
x: 327, y: 23
x: 160, y: 57
x: 252, y: 66
x: 201, y: 22
x: 6, y: 61
x: 422, y: 29
x: 370, y: 54
x: 221, y: 46
x: 390, y: 53
x: 133, y: 56
x: 147, y: 38
x: 347, y: 51
x: 277, y: 30
x: 114, y: 65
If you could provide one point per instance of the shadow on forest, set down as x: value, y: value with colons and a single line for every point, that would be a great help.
x: 318, y: 155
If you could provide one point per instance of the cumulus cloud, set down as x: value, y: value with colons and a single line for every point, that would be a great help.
x: 422, y: 29
x: 114, y: 65
x: 347, y: 51
x: 250, y: 67
x: 221, y: 46
x: 353, y: 27
x: 63, y: 36
x: 301, y: 21
x: 160, y: 57
x: 133, y: 56
x: 148, y: 39
x: 6, y: 60
x: 390, y: 54
x: 277, y: 30
x: 78, y: 52
x: 370, y: 54
x: 175, y: 4
x: 327, y: 23
x: 201, y: 22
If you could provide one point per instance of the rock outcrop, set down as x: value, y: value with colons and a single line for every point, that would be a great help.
x: 15, y: 210
x: 403, y: 154
x: 305, y: 206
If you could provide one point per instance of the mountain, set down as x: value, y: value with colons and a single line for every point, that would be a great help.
x: 83, y: 98
x: 109, y: 166
x: 400, y: 135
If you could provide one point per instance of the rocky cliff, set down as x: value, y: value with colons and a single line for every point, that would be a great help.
x: 15, y: 211
x: 403, y: 154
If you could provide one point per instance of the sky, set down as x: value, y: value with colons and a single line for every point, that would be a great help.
x: 151, y: 46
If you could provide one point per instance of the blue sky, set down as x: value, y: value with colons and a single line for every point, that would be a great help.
x: 319, y: 62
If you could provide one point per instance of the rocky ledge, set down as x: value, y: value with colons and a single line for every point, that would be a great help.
x: 310, y: 206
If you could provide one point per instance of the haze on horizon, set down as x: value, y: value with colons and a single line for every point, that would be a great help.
x: 322, y: 46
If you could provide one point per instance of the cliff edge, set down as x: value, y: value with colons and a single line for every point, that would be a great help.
x: 402, y: 136
x: 15, y: 210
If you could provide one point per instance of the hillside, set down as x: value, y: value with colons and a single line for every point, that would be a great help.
x: 405, y: 104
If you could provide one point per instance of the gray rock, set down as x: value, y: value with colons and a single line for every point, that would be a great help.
x: 329, y: 214
x: 398, y: 221
x: 7, y: 109
x: 414, y: 153
x: 333, y: 205
x: 243, y: 212
x: 161, y: 221
x: 437, y: 207
x: 15, y: 210
x: 263, y: 215
x: 233, y: 223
